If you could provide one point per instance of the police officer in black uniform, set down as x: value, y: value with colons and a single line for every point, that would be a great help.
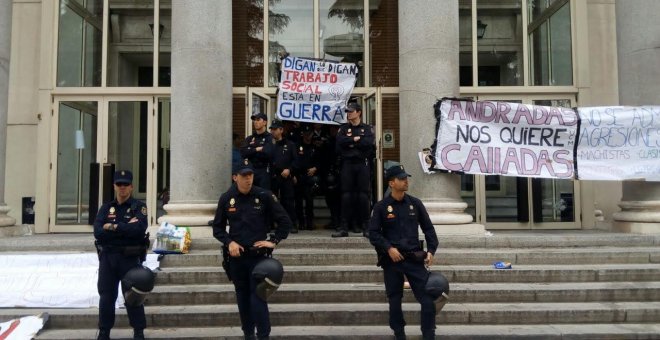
x: 355, y: 144
x: 306, y: 167
x: 119, y: 230
x: 284, y: 153
x: 250, y: 211
x: 258, y: 148
x: 393, y: 232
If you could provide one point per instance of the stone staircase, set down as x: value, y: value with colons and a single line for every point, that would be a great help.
x: 563, y: 285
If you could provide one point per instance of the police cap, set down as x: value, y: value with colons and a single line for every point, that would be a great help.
x: 259, y: 115
x: 243, y: 167
x: 123, y: 176
x: 396, y: 171
x: 350, y: 107
x: 276, y: 124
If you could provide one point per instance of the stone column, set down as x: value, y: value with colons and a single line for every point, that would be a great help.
x: 5, y: 48
x: 428, y: 71
x: 201, y: 111
x: 638, y: 52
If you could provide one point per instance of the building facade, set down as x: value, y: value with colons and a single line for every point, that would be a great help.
x: 159, y: 87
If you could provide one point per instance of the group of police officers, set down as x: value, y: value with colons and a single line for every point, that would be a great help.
x: 251, y: 220
x: 299, y: 161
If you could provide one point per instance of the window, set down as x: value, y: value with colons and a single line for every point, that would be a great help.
x: 130, y: 57
x: 492, y: 35
x: 550, y: 42
x: 335, y: 30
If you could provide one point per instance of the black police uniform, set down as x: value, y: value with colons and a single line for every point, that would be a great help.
x: 283, y: 158
x: 306, y: 158
x: 355, y: 174
x: 120, y: 251
x: 250, y: 217
x: 261, y: 160
x: 394, y: 224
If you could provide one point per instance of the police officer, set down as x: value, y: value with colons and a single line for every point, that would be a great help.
x: 306, y: 167
x: 355, y: 144
x: 250, y: 211
x: 258, y: 148
x: 393, y: 232
x: 284, y: 153
x: 119, y: 230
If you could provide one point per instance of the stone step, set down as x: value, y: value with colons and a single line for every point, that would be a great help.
x: 375, y: 293
x: 321, y: 239
x: 361, y: 314
x: 340, y: 332
x: 455, y: 256
x: 455, y: 274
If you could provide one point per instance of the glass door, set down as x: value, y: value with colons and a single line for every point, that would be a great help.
x: 372, y: 115
x: 76, y: 127
x: 93, y: 138
x: 127, y: 146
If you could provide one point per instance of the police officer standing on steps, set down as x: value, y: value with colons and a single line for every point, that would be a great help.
x: 250, y: 211
x: 119, y: 230
x: 258, y: 148
x: 306, y: 167
x: 393, y: 232
x: 284, y: 153
x: 355, y: 143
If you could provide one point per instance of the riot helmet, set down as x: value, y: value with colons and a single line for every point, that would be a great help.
x: 437, y: 285
x: 136, y: 284
x: 269, y: 273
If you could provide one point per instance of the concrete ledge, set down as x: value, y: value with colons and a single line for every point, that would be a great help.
x: 637, y: 227
x: 17, y: 230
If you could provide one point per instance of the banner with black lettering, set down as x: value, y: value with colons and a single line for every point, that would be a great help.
x: 508, y: 139
x: 619, y: 143
x: 315, y: 90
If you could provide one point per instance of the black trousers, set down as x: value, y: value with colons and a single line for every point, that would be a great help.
x: 112, y: 268
x: 252, y: 310
x: 355, y: 188
x: 284, y: 189
x: 417, y: 275
x: 304, y: 202
x: 262, y: 178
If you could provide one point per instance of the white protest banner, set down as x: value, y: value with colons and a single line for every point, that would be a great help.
x: 619, y: 143
x: 508, y: 139
x: 315, y: 90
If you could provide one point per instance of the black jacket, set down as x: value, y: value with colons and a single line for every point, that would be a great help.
x: 394, y: 224
x: 249, y: 216
x: 127, y: 234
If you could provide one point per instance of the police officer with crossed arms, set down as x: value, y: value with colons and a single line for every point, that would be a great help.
x: 393, y: 232
x: 250, y: 211
x: 355, y: 145
x: 119, y: 230
x: 258, y: 149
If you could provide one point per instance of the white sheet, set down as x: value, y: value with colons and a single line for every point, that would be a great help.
x: 53, y: 280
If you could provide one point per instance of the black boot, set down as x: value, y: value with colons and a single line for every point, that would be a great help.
x: 104, y: 334
x: 400, y: 335
x: 250, y: 337
x: 138, y: 334
x: 342, y: 231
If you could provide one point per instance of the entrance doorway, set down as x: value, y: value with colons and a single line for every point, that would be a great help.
x: 264, y: 100
x: 94, y: 136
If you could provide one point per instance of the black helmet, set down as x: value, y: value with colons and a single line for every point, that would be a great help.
x: 269, y: 272
x: 136, y: 284
x: 437, y: 285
